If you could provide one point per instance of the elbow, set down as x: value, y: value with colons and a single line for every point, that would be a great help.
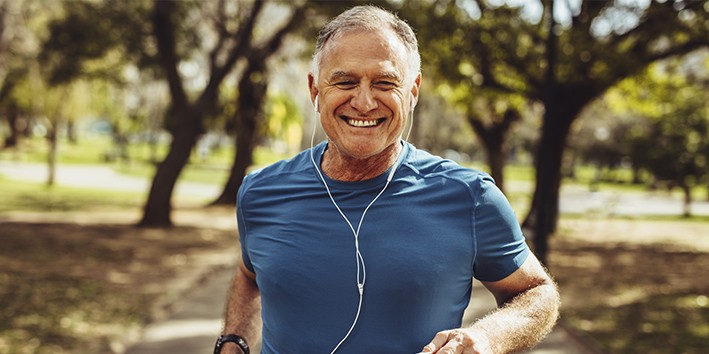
x: 553, y: 303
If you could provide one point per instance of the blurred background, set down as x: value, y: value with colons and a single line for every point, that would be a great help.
x: 127, y: 127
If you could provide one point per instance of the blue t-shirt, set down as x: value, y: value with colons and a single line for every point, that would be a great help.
x: 436, y: 226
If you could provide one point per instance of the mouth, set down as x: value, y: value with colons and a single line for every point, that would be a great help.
x: 363, y: 123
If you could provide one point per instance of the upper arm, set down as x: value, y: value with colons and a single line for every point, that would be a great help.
x: 531, y: 274
x: 248, y: 274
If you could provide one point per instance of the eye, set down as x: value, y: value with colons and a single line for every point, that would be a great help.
x: 385, y: 85
x: 346, y: 85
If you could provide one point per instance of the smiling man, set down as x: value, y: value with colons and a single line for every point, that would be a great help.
x: 366, y: 244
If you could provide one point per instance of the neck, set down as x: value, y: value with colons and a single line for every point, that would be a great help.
x: 351, y: 169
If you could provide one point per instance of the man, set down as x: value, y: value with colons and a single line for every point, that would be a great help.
x: 365, y: 244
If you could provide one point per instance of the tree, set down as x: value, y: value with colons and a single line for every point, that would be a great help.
x: 566, y: 65
x: 673, y: 140
x: 450, y: 48
x: 81, y: 59
x: 253, y: 86
x: 26, y: 91
x: 167, y: 38
x: 20, y: 23
x: 600, y: 47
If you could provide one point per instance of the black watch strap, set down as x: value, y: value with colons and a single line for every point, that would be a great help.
x: 226, y: 338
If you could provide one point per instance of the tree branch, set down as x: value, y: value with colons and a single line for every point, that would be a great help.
x: 276, y: 40
x: 163, y: 30
x: 222, y: 34
x: 242, y: 39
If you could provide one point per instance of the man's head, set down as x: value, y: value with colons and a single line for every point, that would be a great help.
x: 366, y: 80
x: 369, y: 18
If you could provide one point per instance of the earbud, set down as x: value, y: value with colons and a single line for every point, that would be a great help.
x: 316, y: 103
x: 411, y: 125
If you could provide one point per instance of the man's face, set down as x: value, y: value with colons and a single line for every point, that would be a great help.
x: 365, y: 91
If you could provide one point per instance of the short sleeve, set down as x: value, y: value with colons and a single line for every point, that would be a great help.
x: 241, y: 225
x: 500, y: 244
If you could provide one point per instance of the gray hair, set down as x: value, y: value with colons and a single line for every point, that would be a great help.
x: 369, y: 18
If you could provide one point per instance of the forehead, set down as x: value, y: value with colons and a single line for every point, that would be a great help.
x: 362, y: 50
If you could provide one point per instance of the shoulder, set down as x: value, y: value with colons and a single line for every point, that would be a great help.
x: 433, y: 167
x: 278, y: 173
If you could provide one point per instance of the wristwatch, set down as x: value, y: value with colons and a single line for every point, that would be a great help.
x: 226, y: 338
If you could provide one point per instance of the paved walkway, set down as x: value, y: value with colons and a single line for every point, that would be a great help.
x: 193, y: 328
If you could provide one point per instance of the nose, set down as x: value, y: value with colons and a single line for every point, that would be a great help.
x: 363, y: 100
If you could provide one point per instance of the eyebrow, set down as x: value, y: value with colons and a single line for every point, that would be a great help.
x: 390, y: 75
x: 340, y: 74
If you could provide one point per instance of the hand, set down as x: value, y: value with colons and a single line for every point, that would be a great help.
x: 459, y: 341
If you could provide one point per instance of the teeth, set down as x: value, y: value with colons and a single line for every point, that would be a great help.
x: 362, y: 123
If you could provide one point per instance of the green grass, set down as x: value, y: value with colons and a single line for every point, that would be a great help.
x: 141, y: 162
x: 519, y: 173
x: 214, y: 168
x: 27, y: 196
x: 89, y: 150
x: 192, y: 173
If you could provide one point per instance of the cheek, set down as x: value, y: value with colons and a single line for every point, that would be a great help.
x: 333, y: 105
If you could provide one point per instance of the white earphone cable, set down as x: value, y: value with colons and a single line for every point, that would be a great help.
x: 361, y: 269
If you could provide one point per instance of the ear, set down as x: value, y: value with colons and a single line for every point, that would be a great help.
x: 313, y: 90
x: 415, y: 90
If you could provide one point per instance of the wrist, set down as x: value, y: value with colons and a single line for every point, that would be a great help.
x: 231, y: 343
x: 231, y: 348
x: 480, y: 340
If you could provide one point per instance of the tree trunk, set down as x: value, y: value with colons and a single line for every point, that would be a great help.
x: 545, y: 203
x: 253, y: 86
x: 493, y: 138
x: 496, y: 160
x: 158, y: 207
x: 544, y: 213
x: 71, y: 132
x: 13, y: 116
x: 687, y: 212
x: 242, y: 160
x: 52, y: 137
x: 637, y: 178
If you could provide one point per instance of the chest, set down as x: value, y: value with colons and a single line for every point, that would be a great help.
x: 408, y: 239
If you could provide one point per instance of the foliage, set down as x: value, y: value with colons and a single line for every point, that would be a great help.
x: 670, y: 137
x: 565, y: 63
x: 93, y: 39
x: 458, y: 50
x: 284, y: 121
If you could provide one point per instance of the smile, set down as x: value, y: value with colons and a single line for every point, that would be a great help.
x: 363, y: 123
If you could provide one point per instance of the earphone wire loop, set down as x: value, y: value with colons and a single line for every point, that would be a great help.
x: 361, y: 268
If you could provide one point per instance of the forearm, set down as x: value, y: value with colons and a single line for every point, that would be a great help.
x: 243, y: 311
x: 522, y: 321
